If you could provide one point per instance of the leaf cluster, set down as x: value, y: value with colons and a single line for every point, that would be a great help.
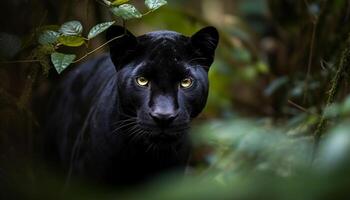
x: 70, y: 33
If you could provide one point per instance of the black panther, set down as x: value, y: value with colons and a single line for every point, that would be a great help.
x: 124, y: 117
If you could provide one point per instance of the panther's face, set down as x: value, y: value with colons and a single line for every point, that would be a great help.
x: 162, y: 80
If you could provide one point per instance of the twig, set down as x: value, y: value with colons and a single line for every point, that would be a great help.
x: 311, y: 55
x: 19, y: 61
x: 98, y: 48
x: 314, y: 20
x: 299, y: 107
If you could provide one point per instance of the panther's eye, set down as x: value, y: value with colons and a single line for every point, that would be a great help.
x: 142, y: 81
x: 186, y: 83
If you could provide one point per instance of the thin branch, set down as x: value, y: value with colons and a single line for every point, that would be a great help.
x: 98, y: 48
x: 314, y: 21
x: 299, y: 107
x: 146, y: 13
x: 19, y: 61
x: 311, y: 55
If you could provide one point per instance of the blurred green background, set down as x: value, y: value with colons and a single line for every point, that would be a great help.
x: 276, y: 125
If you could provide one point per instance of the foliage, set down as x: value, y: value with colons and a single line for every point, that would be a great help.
x: 247, y: 160
x: 277, y: 121
x: 61, y: 61
x: 70, y: 33
x: 99, y: 28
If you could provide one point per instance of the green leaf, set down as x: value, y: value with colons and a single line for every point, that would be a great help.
x: 48, y: 37
x: 119, y: 2
x: 71, y: 41
x: 155, y: 4
x: 71, y: 28
x: 99, y: 28
x: 126, y: 11
x: 61, y: 61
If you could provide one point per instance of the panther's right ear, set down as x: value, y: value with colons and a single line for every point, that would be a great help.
x: 122, y: 44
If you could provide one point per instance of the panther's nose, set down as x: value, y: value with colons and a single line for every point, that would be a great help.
x: 163, y: 109
x: 163, y: 118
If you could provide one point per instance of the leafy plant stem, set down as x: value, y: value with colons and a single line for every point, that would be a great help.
x: 98, y: 48
x: 344, y: 64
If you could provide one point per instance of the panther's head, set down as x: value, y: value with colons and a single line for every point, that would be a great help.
x: 162, y: 79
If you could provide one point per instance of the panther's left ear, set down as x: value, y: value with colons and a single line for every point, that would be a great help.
x: 122, y: 44
x: 205, y: 42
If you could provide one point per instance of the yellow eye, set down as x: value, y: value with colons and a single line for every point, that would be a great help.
x: 186, y: 83
x: 142, y: 81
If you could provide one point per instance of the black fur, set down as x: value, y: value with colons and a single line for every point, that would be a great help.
x: 104, y: 126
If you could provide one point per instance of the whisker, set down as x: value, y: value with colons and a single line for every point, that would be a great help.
x: 140, y: 134
x: 144, y: 133
x: 124, y: 125
x: 123, y: 121
x: 134, y: 135
x: 132, y: 130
